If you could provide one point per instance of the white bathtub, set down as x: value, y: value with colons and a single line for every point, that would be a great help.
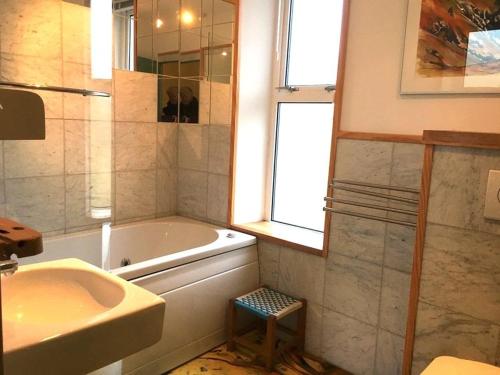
x: 195, y: 267
x: 163, y: 244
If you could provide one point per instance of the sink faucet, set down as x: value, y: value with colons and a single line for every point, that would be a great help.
x: 8, y: 267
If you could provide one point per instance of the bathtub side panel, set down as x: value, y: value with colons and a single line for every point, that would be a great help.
x: 195, y: 319
x: 177, y: 277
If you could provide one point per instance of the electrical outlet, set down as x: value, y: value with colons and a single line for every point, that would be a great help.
x: 492, y: 202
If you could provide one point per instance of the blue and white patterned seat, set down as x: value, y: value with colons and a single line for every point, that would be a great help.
x: 266, y: 302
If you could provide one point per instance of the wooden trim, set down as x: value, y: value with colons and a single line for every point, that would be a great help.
x: 462, y: 139
x: 384, y: 137
x: 337, y: 115
x: 234, y: 111
x: 277, y: 240
x: 417, y: 259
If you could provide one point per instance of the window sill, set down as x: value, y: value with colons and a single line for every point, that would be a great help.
x: 285, y: 235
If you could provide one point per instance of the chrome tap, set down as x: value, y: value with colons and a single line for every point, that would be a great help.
x: 8, y: 267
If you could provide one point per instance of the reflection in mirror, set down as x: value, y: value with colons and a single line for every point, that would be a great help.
x: 189, y: 44
x: 124, y: 34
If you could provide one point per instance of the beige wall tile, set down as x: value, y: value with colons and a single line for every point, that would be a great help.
x: 31, y: 28
x: 399, y: 247
x: 394, y: 301
x: 302, y: 275
x: 352, y: 287
x: 166, y: 192
x: 85, y: 194
x: 135, y: 194
x: 36, y: 157
x: 86, y: 107
x: 389, y: 357
x: 217, y: 200
x: 192, y: 192
x: 314, y: 329
x: 76, y: 33
x: 135, y: 96
x: 458, y: 271
x: 219, y: 140
x: 364, y: 161
x: 442, y: 332
x: 167, y: 145
x: 37, y: 202
x: 407, y: 165
x: 220, y: 103
x: 269, y: 258
x: 76, y: 146
x: 193, y: 147
x: 88, y: 146
x: 356, y: 237
x: 35, y: 70
x: 348, y: 343
x: 135, y: 145
x: 458, y: 187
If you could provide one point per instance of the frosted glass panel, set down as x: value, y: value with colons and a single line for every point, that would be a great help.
x: 314, y: 42
x: 301, y: 164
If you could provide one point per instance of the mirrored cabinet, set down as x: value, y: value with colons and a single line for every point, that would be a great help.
x: 189, y: 44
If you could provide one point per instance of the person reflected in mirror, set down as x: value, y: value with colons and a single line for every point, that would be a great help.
x: 189, y: 106
x: 170, y: 112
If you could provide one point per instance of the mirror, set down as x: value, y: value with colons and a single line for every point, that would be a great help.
x: 189, y: 45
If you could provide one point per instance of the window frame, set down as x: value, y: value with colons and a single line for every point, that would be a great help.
x: 286, y: 94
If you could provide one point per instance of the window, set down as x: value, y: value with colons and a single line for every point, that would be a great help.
x: 131, y: 44
x: 305, y: 77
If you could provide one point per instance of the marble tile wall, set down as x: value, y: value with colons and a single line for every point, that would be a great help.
x: 358, y: 295
x: 101, y: 155
x: 203, y: 171
x: 459, y: 306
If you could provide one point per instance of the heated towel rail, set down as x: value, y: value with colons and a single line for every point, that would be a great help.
x: 359, y: 188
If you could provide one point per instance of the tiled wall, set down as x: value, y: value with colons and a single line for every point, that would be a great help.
x: 203, y: 162
x: 106, y: 153
x: 358, y: 295
x: 459, y: 306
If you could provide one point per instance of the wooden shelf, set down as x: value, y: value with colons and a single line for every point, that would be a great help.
x: 289, y: 236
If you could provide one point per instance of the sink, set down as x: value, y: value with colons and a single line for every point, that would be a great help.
x: 69, y: 317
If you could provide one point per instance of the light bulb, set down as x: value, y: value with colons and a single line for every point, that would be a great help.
x: 159, y: 23
x: 187, y: 17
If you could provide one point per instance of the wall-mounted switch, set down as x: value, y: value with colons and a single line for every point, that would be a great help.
x: 492, y: 202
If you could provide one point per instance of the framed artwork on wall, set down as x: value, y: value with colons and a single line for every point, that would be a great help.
x: 452, y: 47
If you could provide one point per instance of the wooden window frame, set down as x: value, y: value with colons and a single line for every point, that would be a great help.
x: 267, y: 232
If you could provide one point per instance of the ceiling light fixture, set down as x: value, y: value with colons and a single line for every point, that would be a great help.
x: 187, y: 17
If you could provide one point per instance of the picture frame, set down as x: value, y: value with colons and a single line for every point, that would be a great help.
x: 452, y: 47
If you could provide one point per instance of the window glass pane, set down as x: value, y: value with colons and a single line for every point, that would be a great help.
x: 314, y: 40
x: 301, y: 163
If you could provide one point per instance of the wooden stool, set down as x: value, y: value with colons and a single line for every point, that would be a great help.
x: 271, y: 306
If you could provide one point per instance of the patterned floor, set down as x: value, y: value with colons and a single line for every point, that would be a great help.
x: 244, y: 362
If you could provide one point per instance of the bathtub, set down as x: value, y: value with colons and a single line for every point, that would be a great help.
x: 194, y: 266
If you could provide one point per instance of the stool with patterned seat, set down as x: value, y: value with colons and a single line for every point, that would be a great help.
x: 271, y: 306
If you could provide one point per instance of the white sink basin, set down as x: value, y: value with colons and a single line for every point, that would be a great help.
x: 69, y: 317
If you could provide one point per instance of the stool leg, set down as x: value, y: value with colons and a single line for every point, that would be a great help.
x: 231, y: 325
x: 270, y: 341
x: 301, y: 325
